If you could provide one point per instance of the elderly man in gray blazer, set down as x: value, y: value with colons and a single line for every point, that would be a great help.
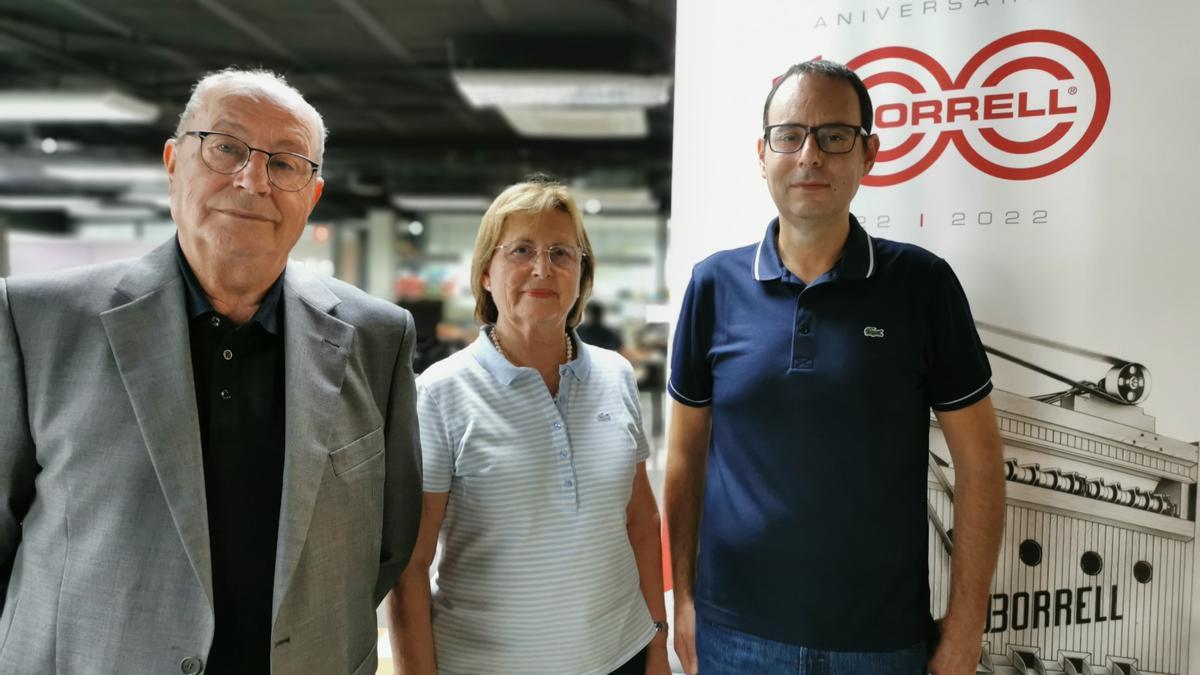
x: 208, y: 457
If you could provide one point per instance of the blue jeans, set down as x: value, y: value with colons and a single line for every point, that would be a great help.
x: 720, y: 650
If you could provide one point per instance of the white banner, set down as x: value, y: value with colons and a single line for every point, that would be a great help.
x: 1044, y: 148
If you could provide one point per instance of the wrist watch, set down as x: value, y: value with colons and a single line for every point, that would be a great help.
x: 661, y: 626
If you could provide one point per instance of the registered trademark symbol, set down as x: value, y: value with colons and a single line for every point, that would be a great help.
x: 1072, y: 90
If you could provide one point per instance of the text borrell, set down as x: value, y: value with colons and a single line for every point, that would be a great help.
x: 1061, y: 607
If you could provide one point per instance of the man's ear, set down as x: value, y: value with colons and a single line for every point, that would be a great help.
x: 168, y: 157
x: 318, y: 189
x: 762, y: 161
x: 872, y: 151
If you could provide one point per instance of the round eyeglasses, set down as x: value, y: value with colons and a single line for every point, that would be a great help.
x: 228, y: 155
x: 835, y: 139
x: 559, y: 255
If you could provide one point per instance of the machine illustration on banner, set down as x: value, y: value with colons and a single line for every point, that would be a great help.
x: 1025, y: 106
x: 1095, y: 568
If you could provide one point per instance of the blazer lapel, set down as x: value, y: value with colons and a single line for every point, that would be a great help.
x: 317, y: 350
x: 149, y: 340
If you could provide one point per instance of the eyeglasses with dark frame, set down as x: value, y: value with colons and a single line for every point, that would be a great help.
x: 834, y: 139
x: 559, y: 255
x: 226, y: 154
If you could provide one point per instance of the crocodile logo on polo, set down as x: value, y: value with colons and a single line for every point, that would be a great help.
x: 873, y: 332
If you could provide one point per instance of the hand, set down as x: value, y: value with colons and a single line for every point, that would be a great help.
x: 685, y: 634
x: 955, y: 656
x: 656, y: 656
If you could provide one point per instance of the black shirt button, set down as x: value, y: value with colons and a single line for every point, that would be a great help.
x: 804, y: 330
x: 216, y: 321
x: 225, y: 395
x: 227, y: 354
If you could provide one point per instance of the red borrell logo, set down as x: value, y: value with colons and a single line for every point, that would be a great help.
x: 1026, y: 106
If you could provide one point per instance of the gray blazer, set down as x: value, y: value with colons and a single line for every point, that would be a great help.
x: 105, y: 564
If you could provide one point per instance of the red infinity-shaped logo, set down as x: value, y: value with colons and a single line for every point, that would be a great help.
x: 1016, y: 110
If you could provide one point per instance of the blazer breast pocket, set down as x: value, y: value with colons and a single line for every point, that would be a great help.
x: 357, y: 452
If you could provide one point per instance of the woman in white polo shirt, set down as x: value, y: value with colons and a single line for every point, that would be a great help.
x: 534, y: 475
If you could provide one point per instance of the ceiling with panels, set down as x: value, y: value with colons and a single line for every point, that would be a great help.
x: 380, y: 71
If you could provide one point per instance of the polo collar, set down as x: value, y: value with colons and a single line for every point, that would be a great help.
x: 267, y: 315
x: 857, y: 260
x: 504, y: 372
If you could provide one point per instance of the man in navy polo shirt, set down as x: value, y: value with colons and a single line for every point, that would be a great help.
x: 803, y: 373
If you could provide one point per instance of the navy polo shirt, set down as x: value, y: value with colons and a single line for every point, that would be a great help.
x: 814, y: 525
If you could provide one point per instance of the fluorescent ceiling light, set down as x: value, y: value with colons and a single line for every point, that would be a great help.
x: 107, y: 173
x: 105, y: 212
x: 489, y: 88
x: 45, y: 202
x: 74, y: 106
x: 616, y: 200
x: 549, y: 122
x: 162, y: 201
x: 75, y: 206
x: 441, y: 202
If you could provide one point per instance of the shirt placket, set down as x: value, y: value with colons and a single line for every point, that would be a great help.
x: 561, y: 442
x: 804, y: 334
x: 804, y: 343
x: 224, y: 376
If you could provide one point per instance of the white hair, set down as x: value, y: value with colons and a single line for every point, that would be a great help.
x: 252, y: 83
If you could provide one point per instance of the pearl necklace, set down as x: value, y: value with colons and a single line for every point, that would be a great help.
x: 496, y: 342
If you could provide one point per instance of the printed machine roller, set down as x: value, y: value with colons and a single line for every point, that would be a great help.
x: 1095, y: 569
x: 1078, y: 484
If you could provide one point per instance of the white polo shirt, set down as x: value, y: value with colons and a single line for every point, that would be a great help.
x: 536, y: 573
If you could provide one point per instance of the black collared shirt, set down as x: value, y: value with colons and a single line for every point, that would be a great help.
x: 238, y: 372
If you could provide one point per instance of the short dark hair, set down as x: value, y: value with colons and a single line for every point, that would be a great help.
x: 833, y: 70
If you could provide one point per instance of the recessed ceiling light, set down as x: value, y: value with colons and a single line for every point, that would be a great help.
x: 488, y: 88
x: 441, y: 202
x: 555, y: 122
